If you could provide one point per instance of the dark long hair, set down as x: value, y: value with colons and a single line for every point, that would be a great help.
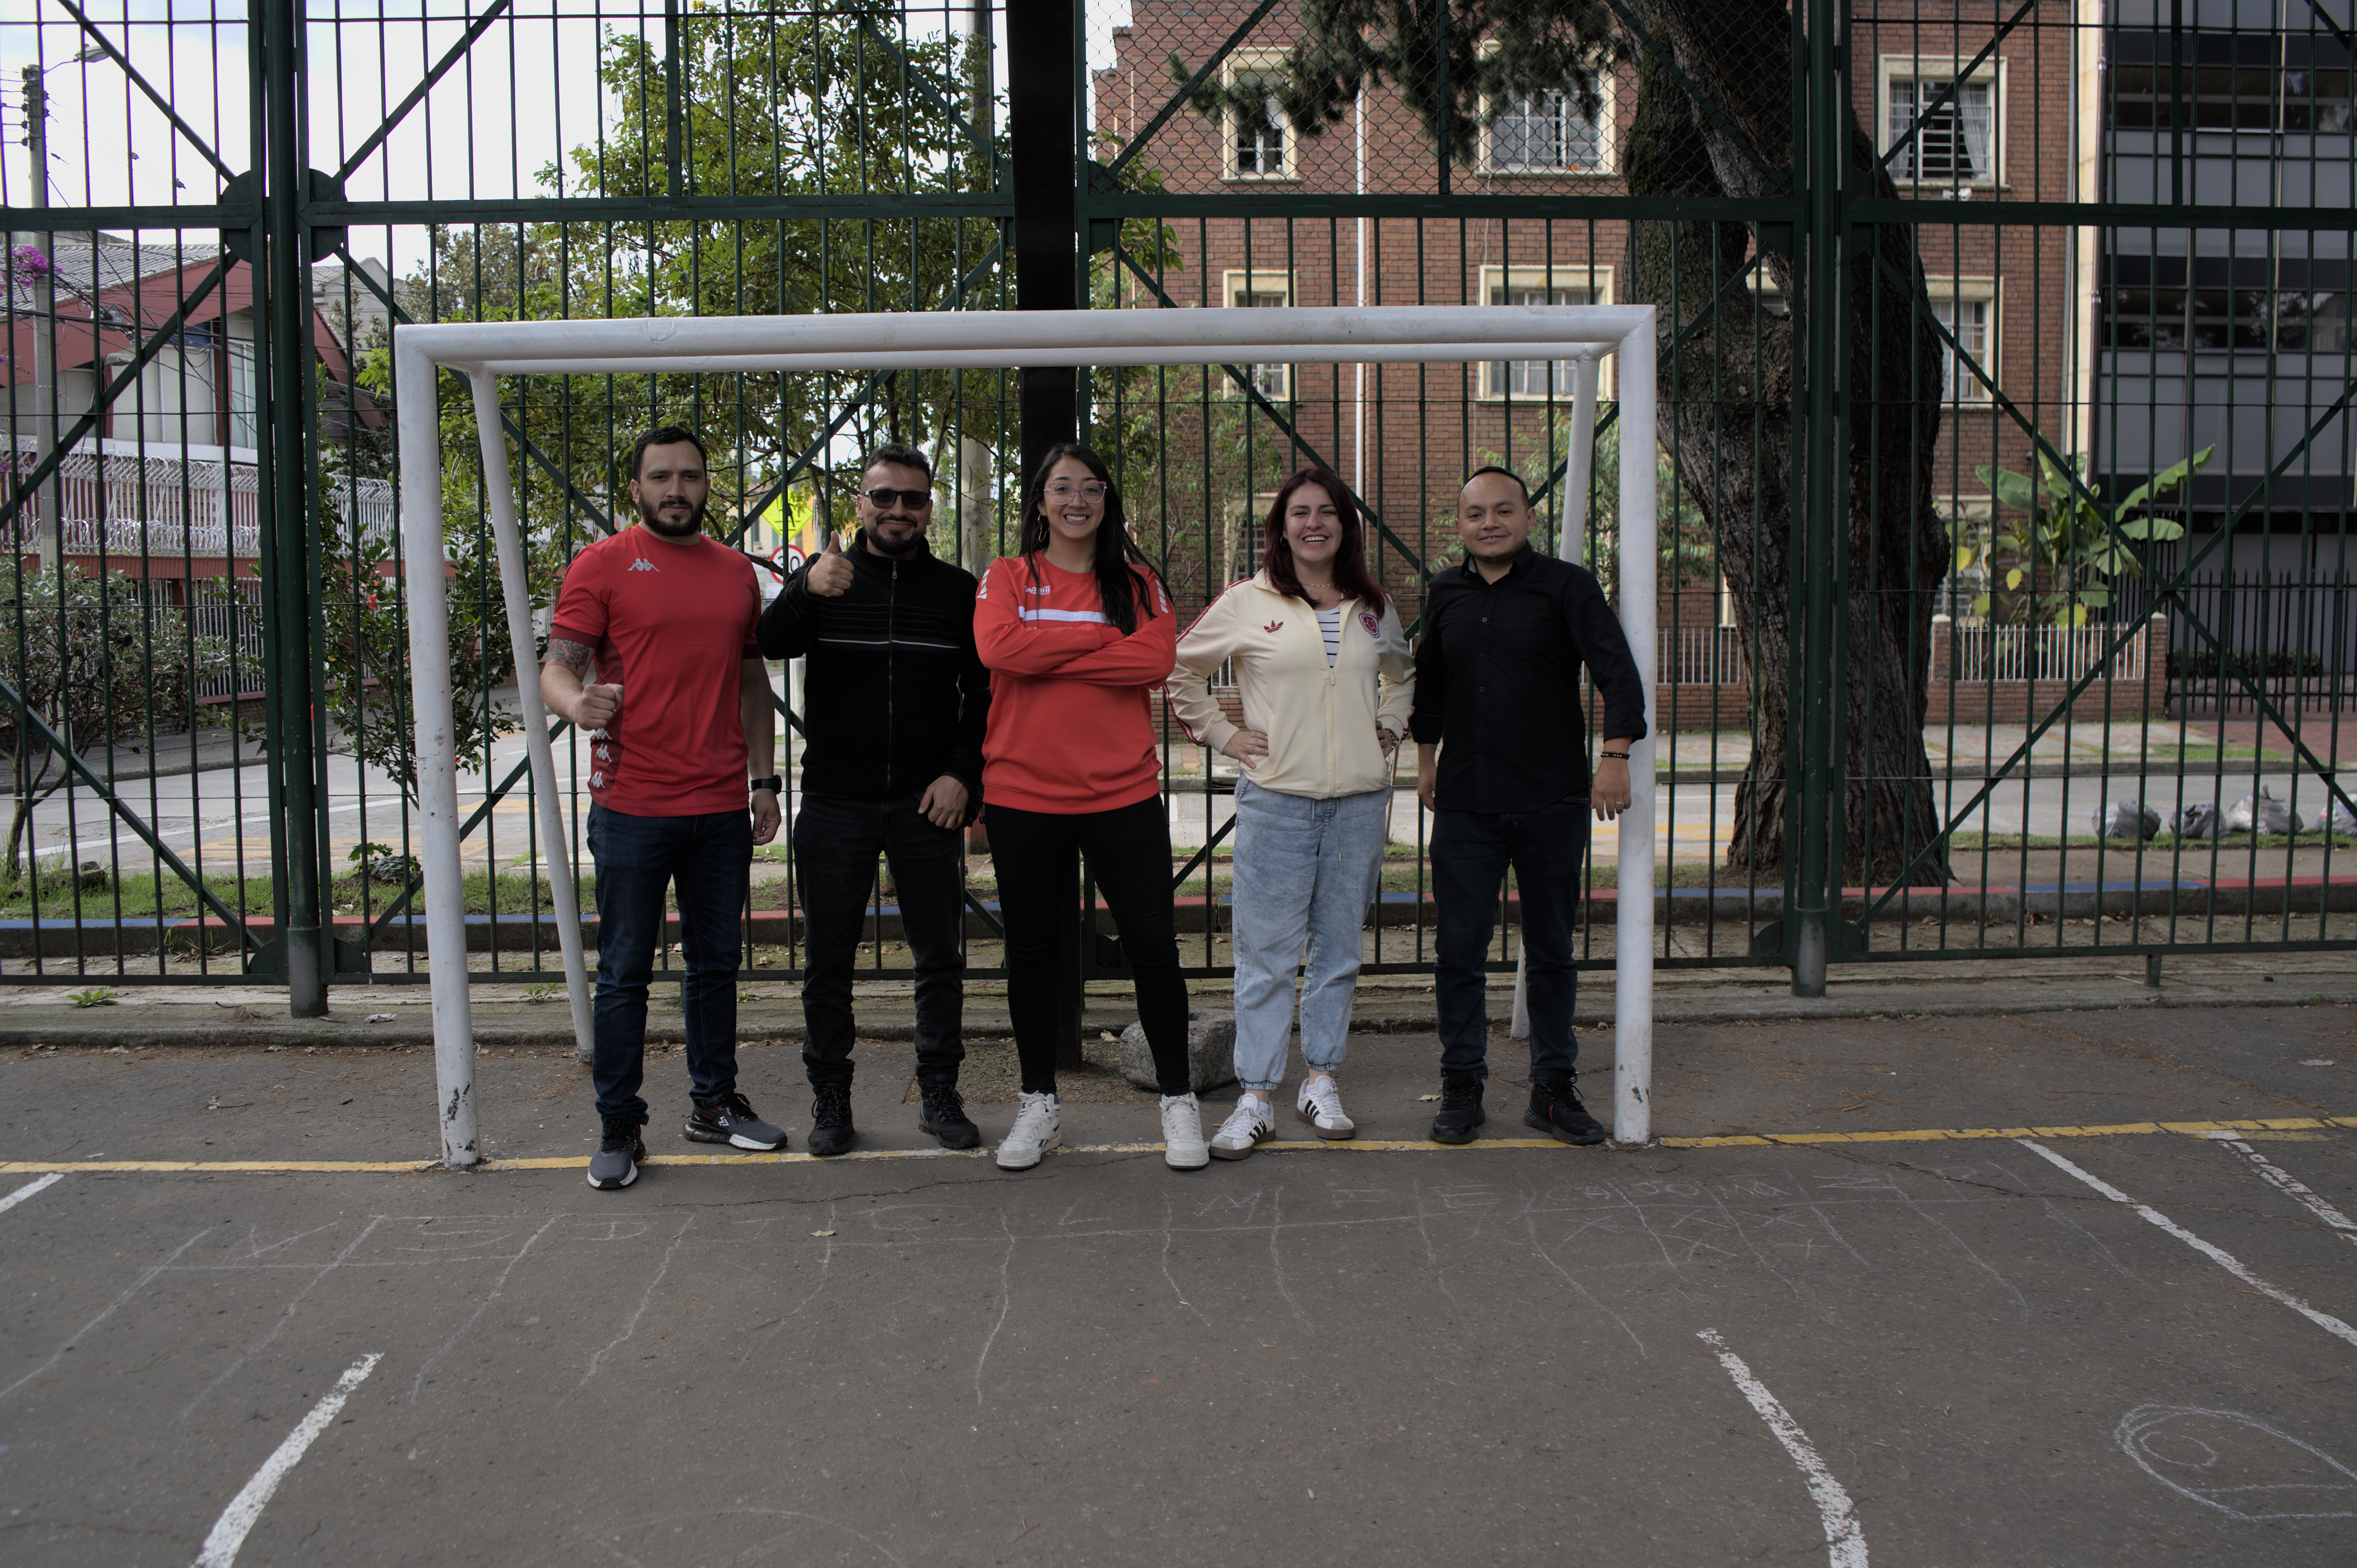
x: 1350, y: 573
x: 1118, y: 559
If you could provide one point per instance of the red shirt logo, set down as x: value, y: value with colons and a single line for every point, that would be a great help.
x: 1273, y: 626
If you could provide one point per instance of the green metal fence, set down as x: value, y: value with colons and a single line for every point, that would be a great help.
x: 2006, y: 366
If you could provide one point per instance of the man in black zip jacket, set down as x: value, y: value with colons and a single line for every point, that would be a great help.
x: 895, y: 702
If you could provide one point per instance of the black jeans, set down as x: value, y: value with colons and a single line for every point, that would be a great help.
x: 709, y: 860
x: 836, y: 840
x: 1471, y: 850
x: 1038, y: 856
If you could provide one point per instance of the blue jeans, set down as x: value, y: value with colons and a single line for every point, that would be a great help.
x: 1305, y: 872
x: 836, y: 842
x: 708, y: 859
x: 1470, y: 852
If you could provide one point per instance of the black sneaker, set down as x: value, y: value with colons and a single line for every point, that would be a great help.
x: 615, y: 1163
x: 1559, y: 1114
x: 831, y: 1130
x: 730, y: 1120
x: 1460, y: 1111
x: 944, y: 1117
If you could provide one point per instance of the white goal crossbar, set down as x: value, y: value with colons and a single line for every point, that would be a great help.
x: 483, y: 351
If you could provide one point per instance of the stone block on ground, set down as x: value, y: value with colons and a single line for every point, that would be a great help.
x: 1211, y: 1051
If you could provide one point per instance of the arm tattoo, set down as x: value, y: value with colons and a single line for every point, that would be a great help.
x: 570, y: 655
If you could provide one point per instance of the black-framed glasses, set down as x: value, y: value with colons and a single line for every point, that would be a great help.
x: 915, y: 500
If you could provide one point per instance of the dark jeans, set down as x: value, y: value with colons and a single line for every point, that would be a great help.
x: 1471, y: 850
x: 1038, y: 856
x: 708, y: 859
x: 836, y: 840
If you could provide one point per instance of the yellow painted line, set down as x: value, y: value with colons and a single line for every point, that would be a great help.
x: 1352, y: 1145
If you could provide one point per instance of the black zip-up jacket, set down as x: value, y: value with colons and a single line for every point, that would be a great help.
x: 895, y: 696
x: 1497, y: 682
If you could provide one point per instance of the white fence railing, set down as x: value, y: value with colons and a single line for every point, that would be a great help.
x: 1700, y: 656
x: 1984, y: 652
x: 234, y: 617
x: 140, y: 506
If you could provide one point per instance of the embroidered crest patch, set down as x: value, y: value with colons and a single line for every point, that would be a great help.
x: 1375, y: 627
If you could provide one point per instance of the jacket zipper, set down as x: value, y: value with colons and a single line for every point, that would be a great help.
x: 892, y: 613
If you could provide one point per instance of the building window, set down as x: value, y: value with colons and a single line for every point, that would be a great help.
x: 1538, y: 378
x: 2217, y: 320
x: 1260, y: 142
x: 1247, y: 537
x: 1544, y: 133
x: 1264, y: 291
x: 1967, y: 307
x: 1957, y: 136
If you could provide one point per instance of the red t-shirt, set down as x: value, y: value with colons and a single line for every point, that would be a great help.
x: 672, y: 624
x: 1069, y: 728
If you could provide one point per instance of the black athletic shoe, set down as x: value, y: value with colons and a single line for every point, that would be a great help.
x: 831, y: 1130
x: 944, y: 1117
x: 615, y: 1163
x: 1559, y: 1114
x: 1460, y: 1111
x: 730, y: 1120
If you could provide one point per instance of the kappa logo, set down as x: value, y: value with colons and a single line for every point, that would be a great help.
x: 643, y: 565
x: 1274, y: 626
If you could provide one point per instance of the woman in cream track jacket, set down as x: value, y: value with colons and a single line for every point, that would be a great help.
x: 1328, y: 683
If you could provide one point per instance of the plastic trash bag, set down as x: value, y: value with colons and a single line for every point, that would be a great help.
x: 2200, y: 822
x: 2338, y: 819
x: 2127, y: 819
x: 2261, y: 813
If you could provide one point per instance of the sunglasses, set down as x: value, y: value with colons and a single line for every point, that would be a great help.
x: 915, y: 500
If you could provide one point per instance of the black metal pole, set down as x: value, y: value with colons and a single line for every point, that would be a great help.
x: 1043, y: 128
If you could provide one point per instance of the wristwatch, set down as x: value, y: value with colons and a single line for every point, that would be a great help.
x: 773, y: 784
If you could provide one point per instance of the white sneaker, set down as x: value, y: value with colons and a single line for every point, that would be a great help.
x: 1252, y: 1120
x: 1038, y: 1127
x: 1320, y: 1104
x: 1182, y: 1134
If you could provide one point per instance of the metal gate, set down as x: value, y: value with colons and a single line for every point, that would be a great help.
x: 2007, y: 474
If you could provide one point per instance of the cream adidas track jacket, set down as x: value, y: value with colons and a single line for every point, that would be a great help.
x: 1320, y: 723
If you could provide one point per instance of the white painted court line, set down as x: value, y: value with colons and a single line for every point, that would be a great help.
x: 1844, y: 1541
x: 29, y: 1189
x: 2217, y: 1255
x: 2290, y: 1185
x: 228, y: 1531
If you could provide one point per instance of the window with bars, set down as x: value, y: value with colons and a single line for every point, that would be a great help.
x: 1967, y: 320
x: 1259, y: 143
x: 1544, y: 133
x: 1955, y: 132
x: 1536, y: 379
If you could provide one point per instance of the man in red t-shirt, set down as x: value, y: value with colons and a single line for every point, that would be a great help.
x: 666, y: 614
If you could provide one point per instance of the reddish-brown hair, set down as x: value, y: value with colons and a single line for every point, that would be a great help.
x: 1350, y: 573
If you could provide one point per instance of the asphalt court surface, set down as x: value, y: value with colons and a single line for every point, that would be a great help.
x: 2019, y: 1345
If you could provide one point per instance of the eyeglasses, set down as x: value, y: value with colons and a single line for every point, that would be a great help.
x: 1064, y: 491
x: 915, y: 500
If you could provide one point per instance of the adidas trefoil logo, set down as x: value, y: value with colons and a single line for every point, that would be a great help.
x: 643, y: 565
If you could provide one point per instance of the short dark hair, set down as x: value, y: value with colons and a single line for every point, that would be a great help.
x: 1493, y: 469
x: 898, y: 453
x: 665, y: 436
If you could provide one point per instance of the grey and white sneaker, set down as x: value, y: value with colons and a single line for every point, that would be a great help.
x: 1319, y: 1103
x: 1183, y: 1148
x: 1253, y: 1120
x: 615, y: 1163
x: 1038, y: 1127
x: 730, y: 1120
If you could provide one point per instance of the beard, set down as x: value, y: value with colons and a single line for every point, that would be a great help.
x: 907, y: 534
x: 693, y: 524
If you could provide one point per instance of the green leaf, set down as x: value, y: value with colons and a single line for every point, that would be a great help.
x: 2013, y: 577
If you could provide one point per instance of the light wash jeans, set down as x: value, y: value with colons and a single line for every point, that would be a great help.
x: 1305, y: 873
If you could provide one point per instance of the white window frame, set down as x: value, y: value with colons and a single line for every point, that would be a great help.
x: 1253, y: 65
x: 1608, y: 121
x: 1959, y: 388
x: 1274, y: 380
x: 1596, y: 280
x: 1244, y: 520
x: 1937, y: 69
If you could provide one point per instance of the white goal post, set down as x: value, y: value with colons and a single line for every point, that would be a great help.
x: 483, y: 351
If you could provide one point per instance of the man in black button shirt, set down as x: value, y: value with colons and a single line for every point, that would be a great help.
x: 897, y: 698
x: 1501, y: 763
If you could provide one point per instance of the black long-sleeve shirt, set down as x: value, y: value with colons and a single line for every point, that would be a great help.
x: 1497, y: 682
x: 896, y: 696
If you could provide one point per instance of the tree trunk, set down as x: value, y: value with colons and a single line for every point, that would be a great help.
x: 1728, y: 417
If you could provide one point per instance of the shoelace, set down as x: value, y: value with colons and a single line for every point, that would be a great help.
x: 734, y: 1107
x: 1030, y: 1122
x: 1243, y: 1120
x: 1326, y: 1102
x: 941, y: 1099
x: 830, y: 1106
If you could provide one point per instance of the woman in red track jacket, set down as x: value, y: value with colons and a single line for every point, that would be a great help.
x: 1077, y: 632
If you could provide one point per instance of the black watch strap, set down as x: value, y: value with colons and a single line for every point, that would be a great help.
x: 773, y: 784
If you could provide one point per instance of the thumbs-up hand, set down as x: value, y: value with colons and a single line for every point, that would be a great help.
x: 829, y: 573
x: 596, y: 707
